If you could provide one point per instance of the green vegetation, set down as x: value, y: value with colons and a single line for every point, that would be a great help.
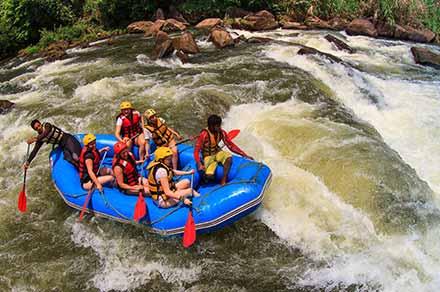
x: 37, y: 23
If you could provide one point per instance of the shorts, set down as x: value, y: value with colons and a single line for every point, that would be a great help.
x: 212, y: 161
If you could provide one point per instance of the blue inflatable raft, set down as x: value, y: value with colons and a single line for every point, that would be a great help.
x: 217, y: 207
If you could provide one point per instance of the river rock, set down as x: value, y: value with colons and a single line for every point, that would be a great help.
x: 172, y: 25
x: 315, y: 22
x: 341, y: 45
x: 421, y: 35
x: 292, y: 25
x: 155, y: 28
x: 338, y: 23
x: 262, y: 20
x: 163, y: 47
x: 182, y: 56
x: 426, y: 57
x: 139, y: 26
x: 221, y: 38
x: 186, y: 44
x: 209, y: 23
x: 312, y: 51
x: 6, y: 106
x: 257, y: 40
x: 361, y: 27
x: 385, y: 29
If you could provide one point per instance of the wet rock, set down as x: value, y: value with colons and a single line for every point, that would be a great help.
x: 139, y: 26
x: 155, y: 28
x: 311, y: 51
x: 182, y: 56
x: 262, y: 20
x: 315, y: 22
x: 186, y: 44
x: 221, y: 38
x: 292, y: 25
x: 6, y: 106
x: 172, y: 25
x: 163, y: 46
x: 209, y: 23
x: 234, y: 12
x: 420, y: 35
x: 258, y: 40
x: 338, y: 23
x: 426, y: 57
x: 341, y: 45
x: 361, y: 27
x: 385, y: 29
x: 159, y: 14
x: 401, y: 33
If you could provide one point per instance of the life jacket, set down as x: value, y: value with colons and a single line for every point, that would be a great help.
x: 131, y: 125
x: 160, y: 133
x: 210, y: 145
x: 129, y: 169
x: 154, y: 186
x: 54, y: 136
x: 83, y: 173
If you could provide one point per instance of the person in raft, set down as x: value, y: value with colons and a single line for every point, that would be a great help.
x: 124, y: 168
x: 129, y: 129
x: 89, y: 161
x: 50, y: 134
x: 165, y: 192
x: 162, y: 135
x: 207, y: 143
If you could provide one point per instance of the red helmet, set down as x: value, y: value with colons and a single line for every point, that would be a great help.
x: 119, y: 146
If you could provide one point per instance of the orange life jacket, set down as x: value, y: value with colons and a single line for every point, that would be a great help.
x: 160, y: 133
x: 210, y: 145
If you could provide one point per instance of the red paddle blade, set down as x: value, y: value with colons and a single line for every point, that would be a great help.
x: 140, y: 208
x: 22, y: 200
x: 233, y: 133
x: 189, y: 235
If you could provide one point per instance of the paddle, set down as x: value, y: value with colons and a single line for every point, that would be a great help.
x: 140, y: 209
x: 189, y: 234
x: 86, y: 202
x: 231, y: 135
x: 22, y: 196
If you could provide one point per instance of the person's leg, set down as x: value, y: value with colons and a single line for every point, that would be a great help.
x: 172, y: 145
x: 140, y: 141
x: 71, y: 149
x: 210, y: 166
x: 225, y: 158
x: 145, y: 184
x: 102, y: 180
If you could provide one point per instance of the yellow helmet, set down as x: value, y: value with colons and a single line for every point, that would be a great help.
x: 125, y: 105
x: 88, y: 139
x: 162, y: 152
x: 149, y: 113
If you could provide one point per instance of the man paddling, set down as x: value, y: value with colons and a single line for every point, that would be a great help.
x: 207, y: 143
x: 51, y: 134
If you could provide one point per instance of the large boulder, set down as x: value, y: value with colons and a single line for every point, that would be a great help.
x: 221, y: 38
x: 209, y: 23
x: 139, y: 26
x: 155, y: 28
x: 262, y: 20
x: 420, y: 35
x: 361, y: 27
x: 315, y: 22
x: 385, y: 29
x: 6, y: 106
x: 172, y: 25
x: 163, y: 46
x: 341, y: 45
x: 338, y: 23
x: 426, y: 57
x: 186, y: 44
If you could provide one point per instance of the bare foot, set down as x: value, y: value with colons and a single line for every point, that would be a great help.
x: 196, y: 194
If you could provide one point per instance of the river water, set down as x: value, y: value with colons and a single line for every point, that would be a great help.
x: 353, y: 146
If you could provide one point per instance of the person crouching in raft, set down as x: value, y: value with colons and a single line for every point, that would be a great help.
x: 129, y: 129
x: 124, y: 167
x: 162, y: 135
x: 89, y: 162
x: 212, y: 154
x: 163, y: 190
x: 51, y: 134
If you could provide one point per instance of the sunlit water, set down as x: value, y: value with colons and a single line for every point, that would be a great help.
x: 353, y: 146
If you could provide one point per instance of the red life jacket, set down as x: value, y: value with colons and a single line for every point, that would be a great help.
x: 83, y: 173
x: 131, y: 125
x: 210, y: 145
x: 129, y: 169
